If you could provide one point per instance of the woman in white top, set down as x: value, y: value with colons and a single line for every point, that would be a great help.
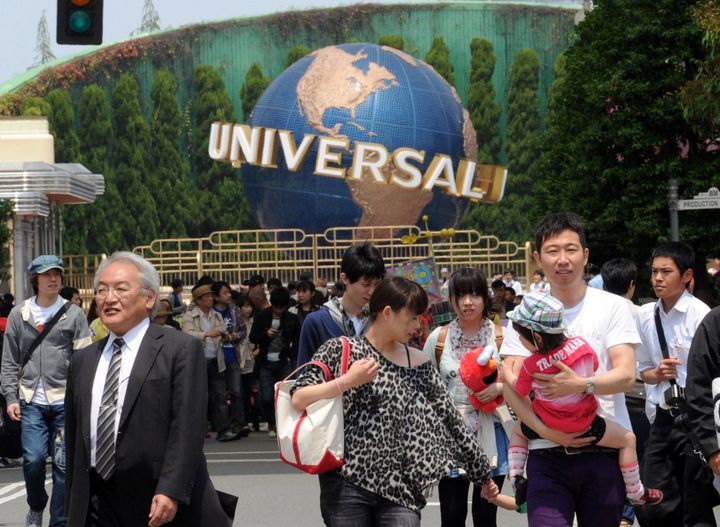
x: 468, y: 291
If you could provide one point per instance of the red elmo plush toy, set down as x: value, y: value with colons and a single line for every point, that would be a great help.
x: 478, y: 370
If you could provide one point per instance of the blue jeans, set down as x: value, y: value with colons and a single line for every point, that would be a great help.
x: 346, y: 505
x: 270, y: 373
x: 43, y: 434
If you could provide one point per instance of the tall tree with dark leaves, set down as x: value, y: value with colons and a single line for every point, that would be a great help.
x: 61, y: 119
x: 295, y: 54
x: 43, y: 51
x: 106, y: 219
x: 222, y: 202
x: 6, y: 214
x: 150, y: 19
x: 174, y: 193
x: 484, y: 110
x: 131, y: 162
x: 509, y: 219
x: 439, y: 58
x: 618, y: 132
x: 255, y: 85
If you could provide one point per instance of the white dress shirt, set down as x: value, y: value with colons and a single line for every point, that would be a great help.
x: 679, y: 325
x: 129, y: 351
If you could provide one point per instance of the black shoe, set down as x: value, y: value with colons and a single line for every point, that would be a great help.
x: 520, y: 485
x: 228, y: 435
x: 241, y: 430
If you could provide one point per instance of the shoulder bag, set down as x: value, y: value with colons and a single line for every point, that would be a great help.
x: 312, y: 440
x: 44, y: 333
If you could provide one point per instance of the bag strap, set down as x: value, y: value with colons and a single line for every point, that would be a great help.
x: 321, y: 365
x: 661, y: 338
x: 440, y: 344
x: 499, y: 336
x: 345, y: 356
x: 44, y: 333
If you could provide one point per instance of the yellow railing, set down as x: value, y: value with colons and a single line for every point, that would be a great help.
x: 286, y: 253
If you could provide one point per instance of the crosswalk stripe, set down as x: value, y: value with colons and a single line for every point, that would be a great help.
x: 17, y: 494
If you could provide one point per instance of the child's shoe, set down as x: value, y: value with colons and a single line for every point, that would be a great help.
x: 651, y: 497
x: 520, y: 487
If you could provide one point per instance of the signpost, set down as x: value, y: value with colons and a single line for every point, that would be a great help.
x: 704, y: 200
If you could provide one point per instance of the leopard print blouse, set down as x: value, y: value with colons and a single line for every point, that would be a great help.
x: 402, y: 431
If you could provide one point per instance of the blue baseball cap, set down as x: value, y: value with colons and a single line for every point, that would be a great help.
x: 44, y: 263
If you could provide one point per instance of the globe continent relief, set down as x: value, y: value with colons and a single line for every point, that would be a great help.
x: 362, y: 93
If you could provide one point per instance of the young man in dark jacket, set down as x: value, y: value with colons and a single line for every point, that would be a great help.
x: 276, y: 332
x: 361, y: 270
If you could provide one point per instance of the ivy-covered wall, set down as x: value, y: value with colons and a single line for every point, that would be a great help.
x: 233, y: 45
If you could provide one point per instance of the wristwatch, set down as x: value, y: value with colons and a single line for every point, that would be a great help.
x: 589, y: 385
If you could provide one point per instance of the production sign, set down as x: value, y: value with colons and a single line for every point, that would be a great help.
x: 704, y: 200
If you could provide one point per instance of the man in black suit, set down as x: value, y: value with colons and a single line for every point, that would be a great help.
x: 135, y: 414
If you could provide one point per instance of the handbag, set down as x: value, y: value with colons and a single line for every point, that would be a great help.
x: 312, y: 440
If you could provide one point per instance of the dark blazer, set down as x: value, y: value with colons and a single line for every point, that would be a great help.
x: 160, y: 437
x: 289, y: 325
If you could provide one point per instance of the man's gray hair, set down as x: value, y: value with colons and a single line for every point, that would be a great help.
x: 148, y: 275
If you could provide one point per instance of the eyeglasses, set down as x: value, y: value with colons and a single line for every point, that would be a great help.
x: 121, y: 291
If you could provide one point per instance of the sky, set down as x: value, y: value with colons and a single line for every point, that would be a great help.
x: 19, y: 21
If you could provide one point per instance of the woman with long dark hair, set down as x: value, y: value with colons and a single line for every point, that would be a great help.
x: 469, y: 297
x: 402, y: 431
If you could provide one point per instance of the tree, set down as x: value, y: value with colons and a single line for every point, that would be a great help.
x: 61, y: 119
x: 255, y: 84
x: 439, y: 58
x: 174, y: 193
x: 222, y: 202
x: 6, y: 214
x: 43, y: 52
x: 296, y: 54
x: 100, y: 229
x: 392, y: 41
x: 150, y: 19
x: 509, y: 219
x: 617, y: 131
x: 131, y: 162
x: 484, y: 109
x: 34, y: 106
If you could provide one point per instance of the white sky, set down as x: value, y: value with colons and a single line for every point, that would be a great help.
x: 19, y: 20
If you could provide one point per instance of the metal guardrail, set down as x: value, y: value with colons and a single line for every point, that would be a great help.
x: 286, y: 253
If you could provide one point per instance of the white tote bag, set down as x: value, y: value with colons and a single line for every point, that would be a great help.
x: 312, y: 440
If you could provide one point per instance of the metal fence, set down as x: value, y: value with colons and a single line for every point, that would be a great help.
x: 286, y: 253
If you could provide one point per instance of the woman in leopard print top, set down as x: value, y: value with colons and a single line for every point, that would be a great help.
x: 402, y: 431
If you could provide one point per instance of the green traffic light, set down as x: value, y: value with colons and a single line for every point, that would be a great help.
x: 79, y: 21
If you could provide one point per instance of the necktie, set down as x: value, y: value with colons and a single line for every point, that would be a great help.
x: 105, y: 444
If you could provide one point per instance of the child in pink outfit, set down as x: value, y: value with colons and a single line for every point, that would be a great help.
x: 538, y: 322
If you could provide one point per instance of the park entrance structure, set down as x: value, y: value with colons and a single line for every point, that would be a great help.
x: 37, y: 188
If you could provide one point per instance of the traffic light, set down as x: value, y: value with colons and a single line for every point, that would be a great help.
x: 79, y: 22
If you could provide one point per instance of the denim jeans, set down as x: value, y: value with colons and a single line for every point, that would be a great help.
x: 346, y: 505
x: 270, y: 373
x: 43, y: 434
x: 233, y: 380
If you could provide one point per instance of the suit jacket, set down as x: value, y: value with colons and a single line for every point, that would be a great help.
x: 160, y: 436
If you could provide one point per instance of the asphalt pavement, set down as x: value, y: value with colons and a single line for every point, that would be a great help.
x: 271, y: 493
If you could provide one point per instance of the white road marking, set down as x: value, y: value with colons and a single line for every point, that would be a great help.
x: 17, y: 494
x: 273, y: 460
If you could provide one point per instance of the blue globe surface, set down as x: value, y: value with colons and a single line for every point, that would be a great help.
x: 362, y: 92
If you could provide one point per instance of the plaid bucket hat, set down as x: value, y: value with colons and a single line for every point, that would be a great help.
x: 539, y: 312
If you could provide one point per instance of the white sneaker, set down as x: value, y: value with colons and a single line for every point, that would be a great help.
x: 272, y: 434
x: 33, y: 518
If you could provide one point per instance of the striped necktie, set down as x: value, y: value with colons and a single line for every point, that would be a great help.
x: 105, y: 444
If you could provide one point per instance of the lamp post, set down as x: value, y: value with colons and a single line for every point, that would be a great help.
x: 673, y: 204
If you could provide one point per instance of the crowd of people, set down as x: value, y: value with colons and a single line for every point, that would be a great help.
x: 88, y: 389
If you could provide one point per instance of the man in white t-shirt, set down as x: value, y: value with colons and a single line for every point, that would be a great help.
x: 560, y: 483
